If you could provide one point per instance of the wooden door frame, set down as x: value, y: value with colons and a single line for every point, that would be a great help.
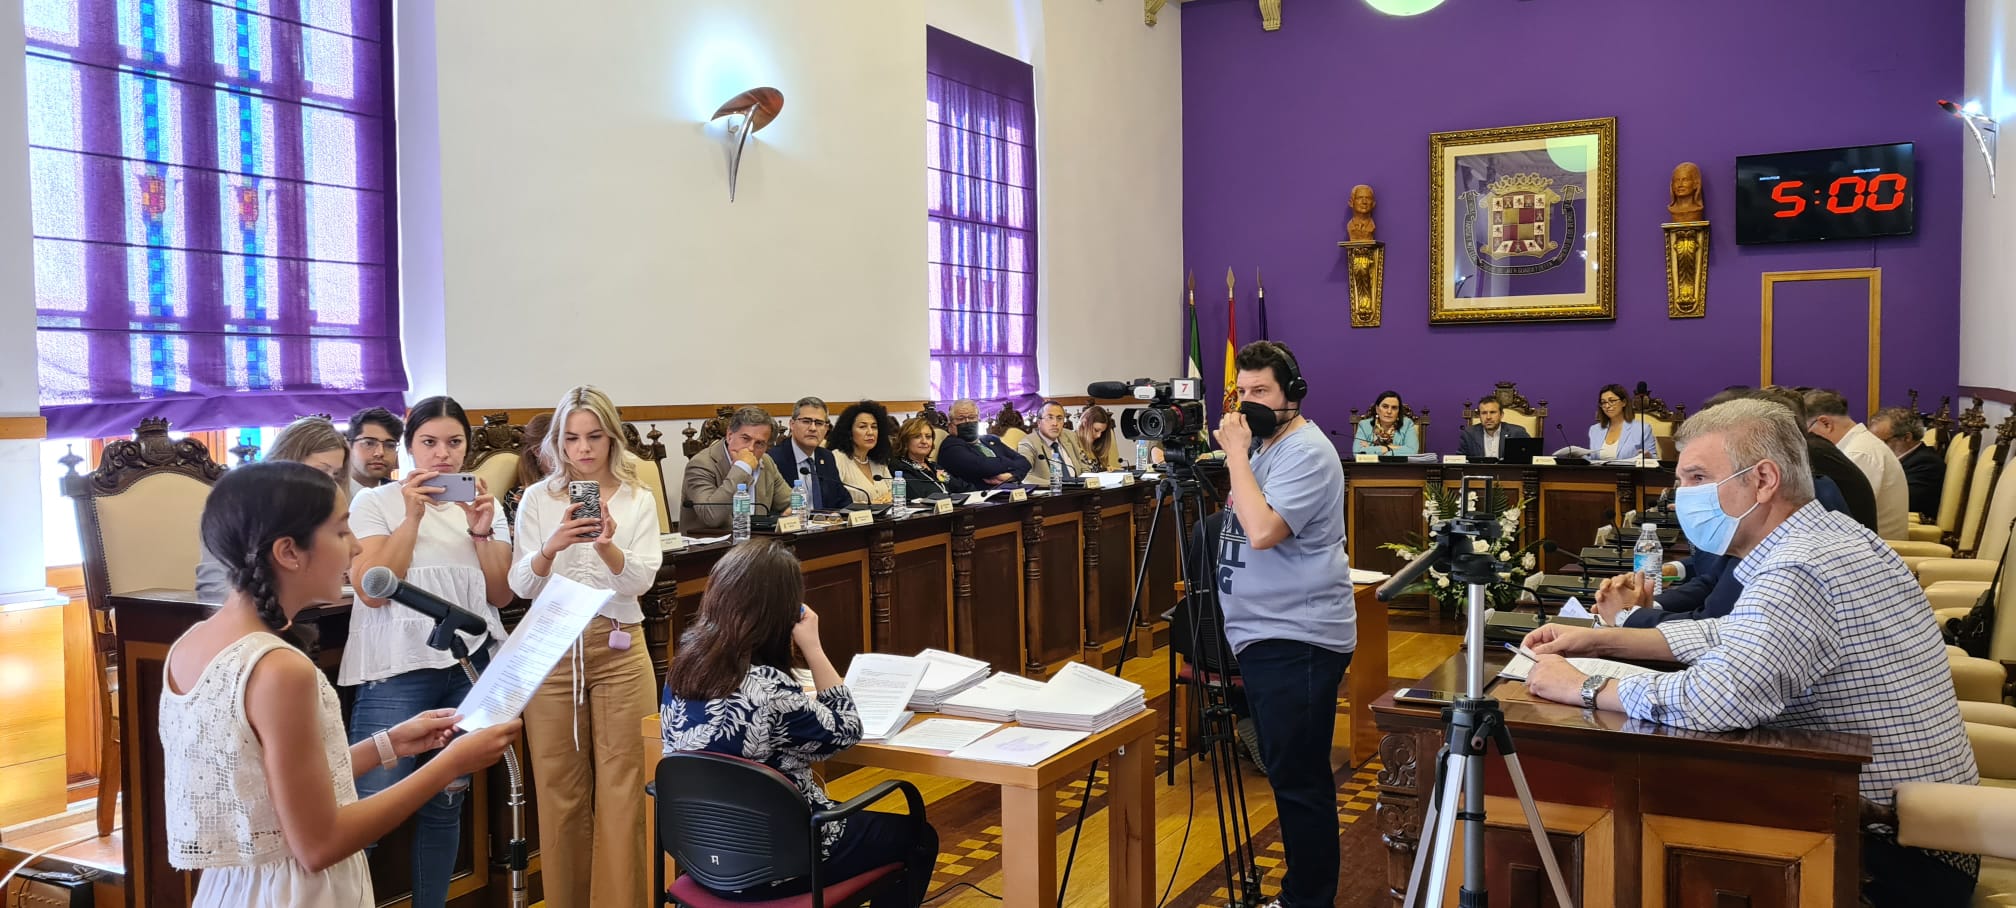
x: 1875, y: 278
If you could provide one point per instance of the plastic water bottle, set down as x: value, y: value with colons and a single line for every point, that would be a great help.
x: 798, y: 497
x: 1144, y: 454
x: 745, y: 508
x: 1057, y: 475
x: 1648, y: 558
x: 899, y: 489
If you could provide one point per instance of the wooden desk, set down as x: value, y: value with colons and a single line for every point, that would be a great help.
x: 1365, y: 681
x: 1029, y: 804
x: 1639, y: 813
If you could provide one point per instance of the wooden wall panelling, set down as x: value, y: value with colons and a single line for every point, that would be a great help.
x: 836, y: 587
x: 1053, y: 537
x: 81, y: 727
x: 1382, y: 511
x: 33, y: 778
x: 994, y: 612
x: 1109, y: 592
x: 920, y: 581
x: 1699, y: 862
x: 1570, y: 514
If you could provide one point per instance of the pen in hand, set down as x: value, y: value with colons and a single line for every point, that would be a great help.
x: 1521, y: 650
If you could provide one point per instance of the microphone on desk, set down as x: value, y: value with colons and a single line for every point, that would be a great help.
x: 1553, y: 548
x: 449, y: 619
x: 868, y: 496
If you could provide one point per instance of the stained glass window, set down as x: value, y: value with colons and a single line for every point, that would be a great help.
x: 980, y: 155
x: 212, y: 196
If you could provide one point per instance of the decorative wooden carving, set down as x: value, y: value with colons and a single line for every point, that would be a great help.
x: 1686, y: 269
x: 495, y: 436
x: 1270, y: 15
x: 1399, y: 809
x: 1008, y: 418
x: 711, y: 431
x: 881, y: 565
x: 935, y: 416
x: 1420, y: 418
x: 962, y: 580
x: 1510, y: 400
x: 1654, y: 407
x: 1365, y: 262
x: 1032, y: 585
x: 246, y: 452
x: 149, y: 451
x: 1144, y: 508
x: 1088, y: 532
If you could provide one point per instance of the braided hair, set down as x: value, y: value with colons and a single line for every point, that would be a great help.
x: 256, y: 505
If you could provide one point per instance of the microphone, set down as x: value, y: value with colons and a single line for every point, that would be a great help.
x: 449, y: 619
x: 1554, y: 549
x: 1109, y: 390
x: 1640, y: 392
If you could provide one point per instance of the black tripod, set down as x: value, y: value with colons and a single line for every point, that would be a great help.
x: 447, y: 637
x: 1216, y: 731
x: 1472, y: 724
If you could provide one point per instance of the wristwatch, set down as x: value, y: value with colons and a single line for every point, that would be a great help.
x: 1591, y: 686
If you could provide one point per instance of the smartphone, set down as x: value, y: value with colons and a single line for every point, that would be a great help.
x: 455, y: 487
x: 587, y: 498
x: 1424, y: 695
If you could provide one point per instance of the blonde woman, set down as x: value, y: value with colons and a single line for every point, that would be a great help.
x: 311, y: 440
x: 1095, y: 434
x: 581, y: 726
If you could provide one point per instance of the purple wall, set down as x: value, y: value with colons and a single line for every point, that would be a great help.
x: 1277, y: 128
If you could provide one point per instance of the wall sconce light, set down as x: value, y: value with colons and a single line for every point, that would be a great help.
x: 1983, y: 127
x: 752, y: 110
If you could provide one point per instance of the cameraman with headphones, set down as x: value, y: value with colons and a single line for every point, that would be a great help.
x: 1284, y: 584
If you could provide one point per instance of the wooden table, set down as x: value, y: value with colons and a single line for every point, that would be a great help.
x: 1365, y: 681
x: 1638, y: 813
x: 1029, y: 806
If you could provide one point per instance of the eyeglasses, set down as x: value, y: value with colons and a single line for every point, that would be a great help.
x: 1610, y: 400
x: 373, y: 445
x: 814, y: 423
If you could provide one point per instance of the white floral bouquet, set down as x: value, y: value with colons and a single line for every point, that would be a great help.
x: 1515, y: 562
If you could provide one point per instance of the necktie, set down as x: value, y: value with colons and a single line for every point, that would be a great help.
x: 1062, y: 467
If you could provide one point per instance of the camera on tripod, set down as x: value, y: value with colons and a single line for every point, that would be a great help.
x: 1174, y: 411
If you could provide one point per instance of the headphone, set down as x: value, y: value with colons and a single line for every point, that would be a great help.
x: 1295, y: 388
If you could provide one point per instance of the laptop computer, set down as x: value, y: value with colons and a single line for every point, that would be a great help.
x: 1519, y: 450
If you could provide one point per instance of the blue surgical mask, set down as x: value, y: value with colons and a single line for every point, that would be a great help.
x: 1708, y: 527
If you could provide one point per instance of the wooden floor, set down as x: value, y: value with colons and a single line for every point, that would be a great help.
x: 967, y: 849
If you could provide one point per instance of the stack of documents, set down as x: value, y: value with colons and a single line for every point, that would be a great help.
x: 1522, y: 664
x: 945, y: 674
x: 881, y: 686
x: 1082, y: 698
x: 1019, y: 746
x: 994, y: 699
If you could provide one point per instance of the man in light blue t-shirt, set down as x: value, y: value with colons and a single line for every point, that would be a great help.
x: 1284, y: 584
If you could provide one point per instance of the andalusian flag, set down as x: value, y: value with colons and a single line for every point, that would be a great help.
x: 1231, y: 346
x: 1195, y: 367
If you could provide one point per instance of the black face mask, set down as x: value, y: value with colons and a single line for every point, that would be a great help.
x: 1262, y: 420
x: 969, y: 431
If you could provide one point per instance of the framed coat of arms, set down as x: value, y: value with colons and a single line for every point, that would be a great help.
x: 1522, y: 223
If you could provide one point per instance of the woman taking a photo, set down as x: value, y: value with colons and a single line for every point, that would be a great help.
x: 582, y: 723
x: 460, y: 551
x: 1386, y: 431
x: 730, y: 691
x: 312, y: 440
x: 863, y: 452
x: 259, y: 789
x: 922, y: 477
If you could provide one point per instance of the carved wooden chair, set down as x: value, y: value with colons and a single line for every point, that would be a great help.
x: 1516, y: 409
x: 1939, y: 422
x: 1962, y: 445
x: 711, y: 431
x: 1987, y: 501
x: 493, y: 452
x: 140, y: 514
x: 1420, y: 418
x: 941, y: 426
x: 1009, y: 425
x: 652, y: 472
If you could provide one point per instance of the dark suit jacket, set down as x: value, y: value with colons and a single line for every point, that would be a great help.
x: 1710, y: 591
x: 1925, y: 473
x: 975, y: 461
x: 1473, y: 438
x: 1828, y: 461
x: 830, y: 494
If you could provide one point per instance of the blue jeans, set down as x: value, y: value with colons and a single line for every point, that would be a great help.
x: 1292, y: 688
x: 437, y: 828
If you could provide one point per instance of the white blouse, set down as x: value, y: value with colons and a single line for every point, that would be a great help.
x: 860, y: 481
x: 636, y: 515
x: 392, y: 639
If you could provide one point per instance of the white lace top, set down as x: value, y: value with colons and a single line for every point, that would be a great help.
x: 392, y: 639
x: 220, y: 815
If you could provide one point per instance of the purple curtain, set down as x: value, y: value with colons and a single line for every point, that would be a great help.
x: 981, y: 150
x: 213, y: 211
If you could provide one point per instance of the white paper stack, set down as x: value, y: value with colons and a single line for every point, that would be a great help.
x: 1082, y: 698
x: 881, y: 686
x: 994, y: 699
x: 1019, y: 746
x: 945, y: 674
x: 1520, y: 666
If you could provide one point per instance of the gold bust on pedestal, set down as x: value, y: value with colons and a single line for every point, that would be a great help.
x: 1365, y: 259
x: 1686, y: 245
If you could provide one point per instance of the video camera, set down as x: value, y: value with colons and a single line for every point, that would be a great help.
x: 1174, y: 413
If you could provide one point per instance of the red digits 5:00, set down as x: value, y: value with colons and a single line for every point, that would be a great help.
x: 1846, y: 195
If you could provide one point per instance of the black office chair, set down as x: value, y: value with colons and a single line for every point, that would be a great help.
x: 735, y: 825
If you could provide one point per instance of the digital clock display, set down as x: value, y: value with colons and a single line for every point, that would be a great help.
x: 1831, y: 194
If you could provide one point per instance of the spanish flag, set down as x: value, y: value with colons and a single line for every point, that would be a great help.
x: 1231, y: 346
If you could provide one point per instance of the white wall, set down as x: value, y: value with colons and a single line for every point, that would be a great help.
x: 586, y: 234
x: 1988, y: 224
x: 21, y: 487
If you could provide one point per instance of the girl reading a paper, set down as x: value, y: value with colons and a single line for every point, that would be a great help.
x: 731, y: 691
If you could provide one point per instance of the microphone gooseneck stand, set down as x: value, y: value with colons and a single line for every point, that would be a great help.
x: 1472, y: 725
x: 516, y: 857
